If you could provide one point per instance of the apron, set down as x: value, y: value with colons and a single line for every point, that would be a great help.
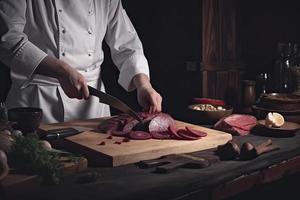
x: 56, y: 106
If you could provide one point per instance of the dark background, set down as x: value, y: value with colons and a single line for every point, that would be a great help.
x: 171, y: 32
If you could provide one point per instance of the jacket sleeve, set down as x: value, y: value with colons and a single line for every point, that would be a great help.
x: 125, y: 45
x: 16, y: 51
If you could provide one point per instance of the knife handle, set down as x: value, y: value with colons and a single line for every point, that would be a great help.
x: 55, y: 134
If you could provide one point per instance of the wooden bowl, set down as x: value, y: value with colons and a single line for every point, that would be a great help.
x: 27, y: 119
x: 287, y: 130
x: 208, y: 117
x: 280, y: 101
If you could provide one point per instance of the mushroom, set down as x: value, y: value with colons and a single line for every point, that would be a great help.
x: 250, y: 151
x: 228, y: 151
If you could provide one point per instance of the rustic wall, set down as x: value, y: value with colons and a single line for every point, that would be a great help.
x: 261, y: 25
x: 171, y: 34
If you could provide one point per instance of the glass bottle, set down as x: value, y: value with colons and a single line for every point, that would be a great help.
x: 263, y: 85
x: 282, y: 70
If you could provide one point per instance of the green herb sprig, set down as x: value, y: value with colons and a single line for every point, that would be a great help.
x: 27, y: 156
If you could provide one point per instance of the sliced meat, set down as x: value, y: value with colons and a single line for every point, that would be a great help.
x: 112, y: 124
x: 139, y: 135
x: 245, y: 122
x: 118, y: 133
x: 196, y: 133
x: 240, y: 131
x: 108, y: 125
x: 130, y: 126
x: 161, y: 135
x: 157, y: 126
x: 236, y: 124
x: 186, y: 135
x: 173, y: 131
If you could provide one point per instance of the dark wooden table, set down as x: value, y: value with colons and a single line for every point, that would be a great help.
x: 270, y: 175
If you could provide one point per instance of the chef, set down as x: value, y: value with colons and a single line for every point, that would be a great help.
x: 54, y: 50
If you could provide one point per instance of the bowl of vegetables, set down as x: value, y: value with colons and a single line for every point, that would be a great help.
x: 208, y: 111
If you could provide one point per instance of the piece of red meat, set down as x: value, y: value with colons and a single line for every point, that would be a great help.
x: 173, y: 131
x: 195, y: 132
x: 245, y: 122
x: 185, y: 134
x: 236, y: 124
x: 139, y: 135
x: 160, y: 135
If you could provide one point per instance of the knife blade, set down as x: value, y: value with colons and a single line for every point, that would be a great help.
x: 114, y: 102
x: 55, y: 134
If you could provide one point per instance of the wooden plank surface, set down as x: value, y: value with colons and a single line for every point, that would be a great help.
x: 24, y: 184
x: 112, y: 154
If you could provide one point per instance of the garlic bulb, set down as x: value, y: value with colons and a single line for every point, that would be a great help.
x: 4, y: 169
x: 45, y: 144
x: 6, y: 142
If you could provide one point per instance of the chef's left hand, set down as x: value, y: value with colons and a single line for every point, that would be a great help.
x: 147, y: 97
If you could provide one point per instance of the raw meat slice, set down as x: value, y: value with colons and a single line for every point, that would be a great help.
x: 173, y: 130
x: 130, y: 125
x: 236, y: 124
x: 161, y: 135
x: 245, y: 122
x: 139, y: 135
x: 197, y: 133
x: 117, y: 133
x: 186, y: 135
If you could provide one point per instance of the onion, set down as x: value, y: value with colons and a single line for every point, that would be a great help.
x: 6, y: 142
x: 6, y: 132
x: 4, y: 169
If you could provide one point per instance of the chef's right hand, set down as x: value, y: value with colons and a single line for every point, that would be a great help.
x: 72, y: 82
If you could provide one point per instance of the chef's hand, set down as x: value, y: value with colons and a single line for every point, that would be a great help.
x: 72, y: 82
x: 147, y: 97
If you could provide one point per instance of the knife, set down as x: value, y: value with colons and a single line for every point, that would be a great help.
x: 114, y: 102
x: 55, y: 134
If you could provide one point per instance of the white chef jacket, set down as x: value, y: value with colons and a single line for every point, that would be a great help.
x: 73, y: 31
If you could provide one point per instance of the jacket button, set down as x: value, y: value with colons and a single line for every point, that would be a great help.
x: 63, y: 54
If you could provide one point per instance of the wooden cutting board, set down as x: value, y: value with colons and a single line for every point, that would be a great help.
x: 112, y: 154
